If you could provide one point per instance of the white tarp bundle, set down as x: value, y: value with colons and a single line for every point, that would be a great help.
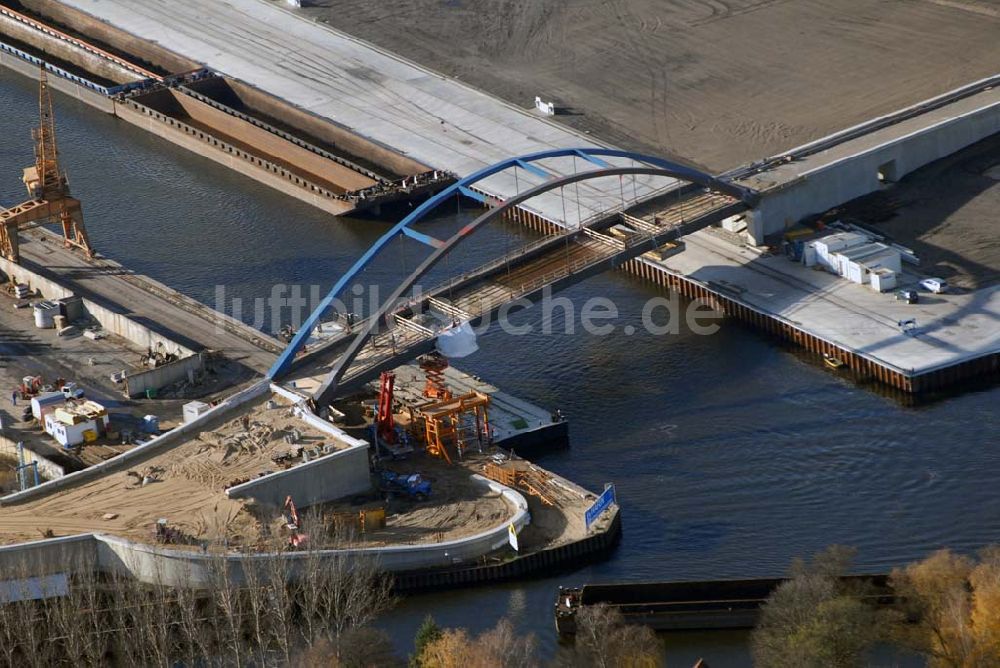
x: 457, y: 341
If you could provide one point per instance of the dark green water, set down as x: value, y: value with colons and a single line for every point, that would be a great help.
x: 731, y: 454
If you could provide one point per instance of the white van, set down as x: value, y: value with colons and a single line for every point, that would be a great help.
x: 936, y: 285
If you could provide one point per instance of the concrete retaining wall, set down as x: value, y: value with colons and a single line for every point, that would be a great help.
x: 156, y: 446
x: 116, y: 323
x: 840, y: 181
x: 136, y: 384
x: 52, y: 555
x: 153, y: 564
x: 329, y: 477
x: 46, y: 467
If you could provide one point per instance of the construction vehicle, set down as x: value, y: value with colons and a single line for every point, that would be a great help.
x: 48, y: 190
x: 385, y: 425
x: 71, y: 391
x: 30, y: 386
x: 411, y: 485
x: 433, y: 365
x: 296, y: 538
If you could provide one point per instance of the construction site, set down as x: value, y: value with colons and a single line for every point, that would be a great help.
x: 147, y: 431
x: 185, y: 478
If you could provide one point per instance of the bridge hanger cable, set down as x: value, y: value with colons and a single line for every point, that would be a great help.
x: 579, y: 213
x: 635, y: 188
x: 566, y: 224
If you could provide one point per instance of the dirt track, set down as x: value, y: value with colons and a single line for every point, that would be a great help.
x: 715, y: 82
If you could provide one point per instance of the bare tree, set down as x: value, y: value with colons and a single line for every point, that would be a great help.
x: 228, y: 606
x: 281, y: 601
x: 603, y: 639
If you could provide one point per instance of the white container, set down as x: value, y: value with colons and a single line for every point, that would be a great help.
x: 45, y: 313
x: 44, y: 403
x: 883, y: 280
x: 809, y: 255
x: 193, y: 409
x: 69, y: 435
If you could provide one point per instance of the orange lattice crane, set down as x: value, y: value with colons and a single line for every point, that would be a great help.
x: 48, y: 189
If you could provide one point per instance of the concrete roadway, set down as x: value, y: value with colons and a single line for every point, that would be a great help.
x: 436, y: 120
x: 156, y: 306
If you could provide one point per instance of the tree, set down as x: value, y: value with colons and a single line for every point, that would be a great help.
x: 362, y: 647
x: 949, y: 609
x: 499, y: 647
x: 814, y: 619
x: 428, y: 632
x: 603, y: 639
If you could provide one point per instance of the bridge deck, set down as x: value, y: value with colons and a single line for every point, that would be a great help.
x: 563, y: 259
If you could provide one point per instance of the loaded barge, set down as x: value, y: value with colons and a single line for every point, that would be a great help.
x: 215, y: 116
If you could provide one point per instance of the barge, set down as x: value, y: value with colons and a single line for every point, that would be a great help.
x: 691, y: 606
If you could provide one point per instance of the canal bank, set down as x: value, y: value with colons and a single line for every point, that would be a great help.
x: 236, y: 124
x: 721, y: 446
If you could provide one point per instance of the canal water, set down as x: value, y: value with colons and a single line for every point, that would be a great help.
x: 732, y: 454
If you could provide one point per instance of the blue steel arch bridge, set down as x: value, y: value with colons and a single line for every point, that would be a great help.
x: 405, y: 327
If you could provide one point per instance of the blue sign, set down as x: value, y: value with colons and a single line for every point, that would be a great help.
x: 603, y: 502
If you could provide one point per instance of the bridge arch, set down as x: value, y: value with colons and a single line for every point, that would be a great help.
x: 660, y: 167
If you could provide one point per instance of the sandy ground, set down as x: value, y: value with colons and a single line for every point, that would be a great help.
x: 189, y: 491
x: 947, y: 213
x: 715, y: 82
x: 457, y: 506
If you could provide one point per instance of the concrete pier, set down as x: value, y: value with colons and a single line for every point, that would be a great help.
x: 179, y: 319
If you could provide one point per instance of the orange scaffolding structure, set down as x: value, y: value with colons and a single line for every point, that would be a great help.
x: 457, y: 423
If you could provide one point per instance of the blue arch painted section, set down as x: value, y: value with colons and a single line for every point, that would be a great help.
x: 591, y: 154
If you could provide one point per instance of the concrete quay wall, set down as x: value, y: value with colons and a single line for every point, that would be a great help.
x: 78, y: 88
x: 173, y: 567
x: 12, y: 24
x: 148, y: 53
x: 116, y: 323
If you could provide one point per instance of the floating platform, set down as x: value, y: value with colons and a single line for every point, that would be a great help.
x: 518, y: 425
